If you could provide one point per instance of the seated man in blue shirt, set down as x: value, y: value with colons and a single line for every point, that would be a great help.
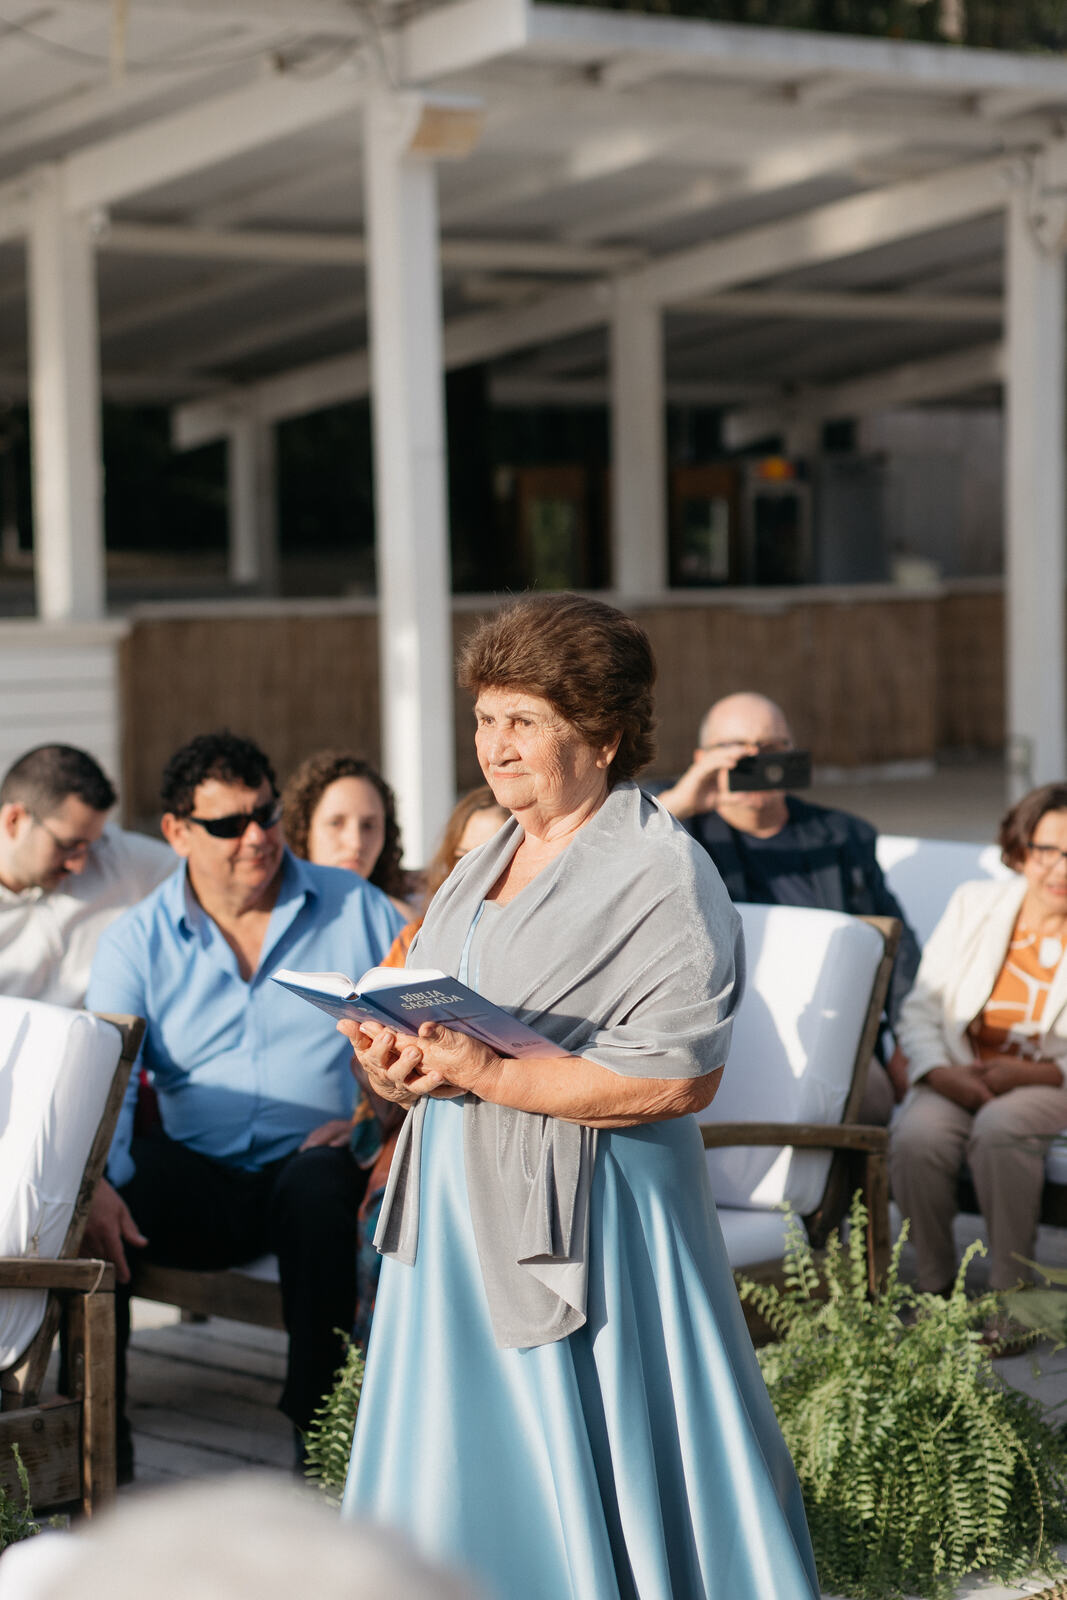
x: 254, y: 1086
x: 775, y: 849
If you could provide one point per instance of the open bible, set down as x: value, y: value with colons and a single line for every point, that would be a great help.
x: 398, y: 997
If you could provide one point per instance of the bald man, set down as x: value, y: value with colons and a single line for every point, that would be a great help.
x: 775, y: 849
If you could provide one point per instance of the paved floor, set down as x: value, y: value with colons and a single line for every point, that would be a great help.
x: 963, y: 799
x: 203, y: 1398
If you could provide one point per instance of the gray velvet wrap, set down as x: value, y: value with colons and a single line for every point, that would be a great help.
x: 625, y: 950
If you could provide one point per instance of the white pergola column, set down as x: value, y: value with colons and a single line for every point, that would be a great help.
x: 411, y: 502
x: 65, y: 409
x: 1035, y: 570
x: 638, y: 446
x: 252, y: 504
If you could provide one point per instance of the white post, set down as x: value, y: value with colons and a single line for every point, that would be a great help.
x: 638, y: 447
x: 411, y: 503
x: 1034, y: 564
x: 65, y: 409
x: 252, y: 504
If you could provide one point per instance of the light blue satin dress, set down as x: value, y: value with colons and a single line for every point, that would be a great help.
x: 638, y: 1459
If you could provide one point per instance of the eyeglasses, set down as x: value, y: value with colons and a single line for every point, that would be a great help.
x: 1046, y: 855
x: 265, y: 816
x: 66, y: 847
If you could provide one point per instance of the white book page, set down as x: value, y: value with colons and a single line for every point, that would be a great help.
x: 331, y: 983
x: 393, y: 977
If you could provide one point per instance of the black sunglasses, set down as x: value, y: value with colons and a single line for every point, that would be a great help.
x: 268, y: 815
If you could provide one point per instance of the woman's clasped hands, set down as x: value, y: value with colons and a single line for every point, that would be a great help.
x: 438, y: 1063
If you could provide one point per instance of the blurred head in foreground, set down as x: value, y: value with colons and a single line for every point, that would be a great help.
x: 250, y: 1537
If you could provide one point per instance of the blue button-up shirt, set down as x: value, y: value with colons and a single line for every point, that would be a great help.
x: 244, y: 1070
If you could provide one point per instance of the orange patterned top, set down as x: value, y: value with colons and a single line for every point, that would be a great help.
x: 1009, y: 1024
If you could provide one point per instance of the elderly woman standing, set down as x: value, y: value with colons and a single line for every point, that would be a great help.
x: 985, y: 1033
x: 561, y: 1394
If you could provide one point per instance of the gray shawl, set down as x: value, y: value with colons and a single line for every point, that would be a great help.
x: 624, y: 949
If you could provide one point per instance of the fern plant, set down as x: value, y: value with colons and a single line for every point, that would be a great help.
x: 17, y: 1521
x: 328, y: 1441
x: 917, y: 1463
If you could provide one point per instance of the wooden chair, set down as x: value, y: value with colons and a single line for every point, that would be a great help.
x: 67, y: 1443
x: 803, y: 1040
x: 244, y: 1294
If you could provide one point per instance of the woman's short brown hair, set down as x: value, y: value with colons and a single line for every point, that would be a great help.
x: 305, y: 789
x: 1017, y: 827
x: 591, y: 662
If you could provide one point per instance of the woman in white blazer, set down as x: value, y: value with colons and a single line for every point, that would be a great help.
x: 985, y: 1033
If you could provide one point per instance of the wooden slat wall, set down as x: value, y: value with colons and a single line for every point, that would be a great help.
x: 970, y: 671
x: 294, y: 683
x: 863, y: 680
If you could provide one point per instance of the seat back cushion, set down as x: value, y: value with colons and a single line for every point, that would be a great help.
x: 923, y: 873
x: 810, y: 976
x: 56, y: 1068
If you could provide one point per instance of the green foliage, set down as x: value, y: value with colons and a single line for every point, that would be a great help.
x: 17, y: 1521
x: 917, y: 1463
x: 328, y: 1441
x: 1044, y: 1311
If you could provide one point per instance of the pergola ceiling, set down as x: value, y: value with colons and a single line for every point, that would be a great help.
x: 612, y: 145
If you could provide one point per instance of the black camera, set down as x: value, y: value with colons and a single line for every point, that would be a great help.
x: 771, y: 769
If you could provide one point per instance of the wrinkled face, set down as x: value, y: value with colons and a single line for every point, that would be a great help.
x: 481, y: 825
x: 39, y: 852
x: 534, y: 759
x: 1044, y: 866
x: 347, y: 827
x: 234, y: 870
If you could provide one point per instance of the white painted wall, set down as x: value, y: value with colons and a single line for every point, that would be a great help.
x: 61, y: 685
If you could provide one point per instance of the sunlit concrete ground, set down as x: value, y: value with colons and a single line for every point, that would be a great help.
x: 963, y: 799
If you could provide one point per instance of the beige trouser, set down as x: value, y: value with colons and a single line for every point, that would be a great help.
x: 1004, y: 1144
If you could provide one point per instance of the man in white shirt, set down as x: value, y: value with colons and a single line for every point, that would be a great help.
x: 65, y: 872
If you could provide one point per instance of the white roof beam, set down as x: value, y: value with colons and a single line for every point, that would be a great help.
x: 296, y: 248
x: 263, y: 198
x: 859, y: 306
x: 277, y: 331
x: 452, y: 38
x: 795, y: 164
x: 589, y: 36
x: 183, y: 302
x: 587, y: 162
x: 842, y: 228
x: 324, y: 383
x: 79, y: 110
x: 1000, y: 103
x: 825, y: 89
x: 827, y: 233
x: 327, y: 16
x: 201, y: 136
x: 938, y: 378
x: 771, y: 110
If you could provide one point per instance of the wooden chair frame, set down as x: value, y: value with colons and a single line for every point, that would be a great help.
x: 861, y: 1152
x: 67, y: 1444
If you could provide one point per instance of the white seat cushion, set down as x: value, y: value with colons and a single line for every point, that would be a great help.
x: 810, y: 975
x: 753, y: 1236
x: 1056, y: 1162
x: 56, y: 1067
x: 923, y: 873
